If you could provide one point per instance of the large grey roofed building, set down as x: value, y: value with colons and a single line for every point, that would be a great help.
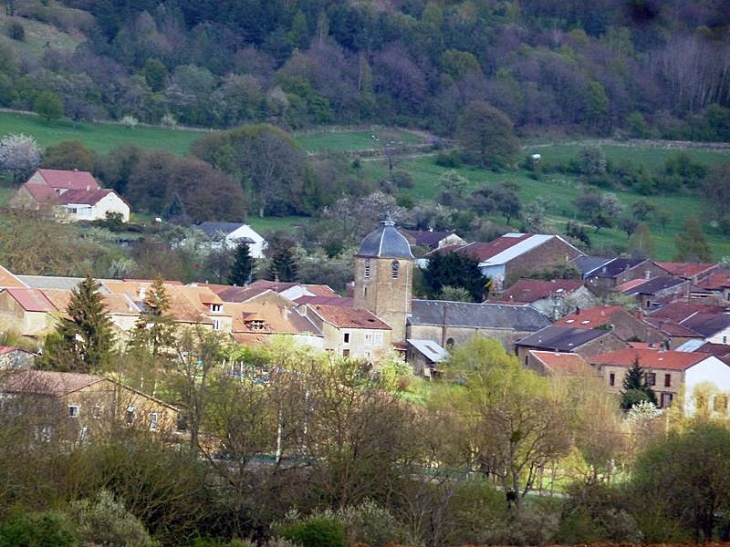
x: 561, y: 338
x: 385, y: 242
x: 487, y: 315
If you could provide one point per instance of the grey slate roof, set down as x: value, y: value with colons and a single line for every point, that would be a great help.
x: 385, y: 242
x: 707, y: 324
x: 486, y: 315
x: 52, y: 282
x: 655, y: 285
x: 212, y: 228
x: 566, y: 339
x: 615, y: 267
x: 586, y: 264
x: 427, y: 238
x: 429, y: 349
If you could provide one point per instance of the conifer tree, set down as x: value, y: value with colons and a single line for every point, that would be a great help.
x: 243, y: 265
x: 84, y: 340
x: 636, y: 387
x: 154, y: 329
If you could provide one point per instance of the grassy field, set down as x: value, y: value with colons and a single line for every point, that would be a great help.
x: 100, y: 137
x: 353, y: 140
x: 563, y: 189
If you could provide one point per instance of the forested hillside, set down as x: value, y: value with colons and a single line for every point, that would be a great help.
x: 640, y: 68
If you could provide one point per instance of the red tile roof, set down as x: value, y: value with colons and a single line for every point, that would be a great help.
x: 563, y: 363
x: 651, y: 359
x: 349, y: 317
x: 32, y: 300
x: 680, y: 311
x: 686, y: 270
x: 589, y: 318
x: 41, y: 193
x: 83, y: 196
x: 531, y: 290
x: 70, y: 180
x: 715, y: 281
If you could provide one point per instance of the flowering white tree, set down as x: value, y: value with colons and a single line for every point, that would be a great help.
x: 20, y: 155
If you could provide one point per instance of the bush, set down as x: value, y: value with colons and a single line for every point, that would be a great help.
x: 371, y: 524
x: 16, y: 31
x: 451, y: 159
x: 37, y: 530
x: 314, y: 531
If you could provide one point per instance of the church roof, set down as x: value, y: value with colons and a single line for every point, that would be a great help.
x: 385, y: 242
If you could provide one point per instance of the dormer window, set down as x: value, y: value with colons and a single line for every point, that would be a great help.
x: 367, y: 268
x: 394, y: 268
x: 216, y: 308
x: 256, y: 324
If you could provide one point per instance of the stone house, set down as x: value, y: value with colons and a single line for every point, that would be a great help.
x: 583, y: 342
x: 624, y: 324
x: 551, y: 363
x: 455, y: 323
x: 85, y: 405
x: 657, y: 291
x: 27, y: 311
x: 350, y: 332
x: 671, y: 373
x: 602, y: 277
x: 554, y: 298
x: 13, y: 358
x: 255, y: 324
x: 505, y: 259
x: 425, y: 356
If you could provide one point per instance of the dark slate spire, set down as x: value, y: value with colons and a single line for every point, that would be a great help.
x: 385, y: 242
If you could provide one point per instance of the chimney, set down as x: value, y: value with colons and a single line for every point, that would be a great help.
x: 577, y: 310
x: 142, y: 293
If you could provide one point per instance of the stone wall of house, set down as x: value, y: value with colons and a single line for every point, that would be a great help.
x: 457, y: 336
x: 553, y: 251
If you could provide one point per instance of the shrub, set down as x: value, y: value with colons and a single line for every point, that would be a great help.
x: 49, y: 528
x: 371, y: 524
x: 451, y: 159
x: 16, y: 31
x: 314, y: 531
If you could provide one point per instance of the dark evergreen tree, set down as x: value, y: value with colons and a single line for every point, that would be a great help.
x: 243, y: 265
x: 84, y: 340
x: 636, y: 387
x: 154, y: 330
x: 282, y: 263
x: 454, y: 270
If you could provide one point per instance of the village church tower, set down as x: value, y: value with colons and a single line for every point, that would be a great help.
x: 384, y: 275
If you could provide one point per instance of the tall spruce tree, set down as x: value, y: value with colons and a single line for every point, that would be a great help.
x: 282, y: 262
x: 154, y: 330
x: 636, y: 387
x: 242, y: 266
x: 455, y: 270
x: 84, y: 340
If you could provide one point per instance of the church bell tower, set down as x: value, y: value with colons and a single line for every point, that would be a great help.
x: 384, y: 276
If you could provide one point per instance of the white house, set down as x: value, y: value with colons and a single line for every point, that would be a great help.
x: 75, y: 195
x: 231, y: 233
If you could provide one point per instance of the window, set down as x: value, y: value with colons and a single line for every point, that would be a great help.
x: 216, y: 324
x: 719, y: 404
x: 666, y: 400
x: 73, y: 411
x: 216, y: 308
x: 346, y: 338
x: 394, y: 267
x: 129, y: 417
x: 256, y: 324
x: 651, y: 377
x: 667, y: 380
x: 368, y: 339
x: 345, y: 352
x: 378, y: 338
x: 153, y: 421
x: 367, y: 268
x: 364, y: 292
x: 84, y: 434
x: 612, y: 379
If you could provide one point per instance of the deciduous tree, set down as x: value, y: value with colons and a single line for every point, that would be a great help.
x: 487, y: 136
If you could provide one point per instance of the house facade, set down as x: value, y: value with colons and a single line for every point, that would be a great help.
x: 229, y: 234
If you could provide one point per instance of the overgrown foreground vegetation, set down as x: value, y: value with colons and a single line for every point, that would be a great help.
x: 284, y: 448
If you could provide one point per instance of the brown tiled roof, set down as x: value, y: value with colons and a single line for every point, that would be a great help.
x: 69, y: 180
x: 564, y: 363
x: 482, y: 251
x: 48, y: 383
x: 41, y: 193
x: 83, y: 196
x: 589, y: 318
x: 326, y: 300
x: 531, y: 290
x: 32, y: 300
x: 276, y: 320
x: 686, y: 270
x: 349, y: 317
x: 671, y: 328
x: 715, y: 281
x: 10, y: 349
x: 9, y: 281
x: 117, y: 304
x: 680, y: 311
x: 651, y: 359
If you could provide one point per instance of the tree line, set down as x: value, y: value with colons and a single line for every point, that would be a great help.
x: 643, y: 70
